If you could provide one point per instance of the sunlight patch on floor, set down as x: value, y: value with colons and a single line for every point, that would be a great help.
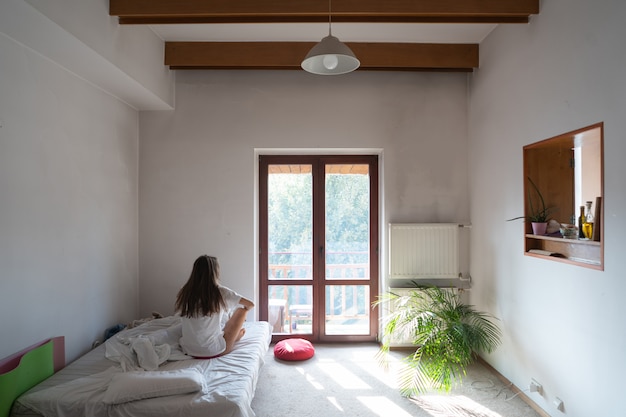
x: 335, y: 403
x: 310, y: 379
x: 342, y: 376
x: 387, y: 377
x: 452, y: 406
x: 383, y: 407
x: 387, y: 374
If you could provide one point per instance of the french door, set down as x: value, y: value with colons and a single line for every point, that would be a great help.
x: 318, y: 229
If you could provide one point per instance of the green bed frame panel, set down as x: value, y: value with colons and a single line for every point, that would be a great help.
x: 33, y: 367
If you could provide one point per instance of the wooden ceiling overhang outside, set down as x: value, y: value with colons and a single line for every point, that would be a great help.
x: 288, y: 55
x: 344, y: 169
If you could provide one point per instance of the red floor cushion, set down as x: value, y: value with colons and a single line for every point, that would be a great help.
x: 294, y: 350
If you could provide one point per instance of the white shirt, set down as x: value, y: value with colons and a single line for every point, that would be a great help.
x: 204, y: 335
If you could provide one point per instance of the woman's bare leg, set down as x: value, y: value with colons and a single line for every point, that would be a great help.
x: 233, y: 330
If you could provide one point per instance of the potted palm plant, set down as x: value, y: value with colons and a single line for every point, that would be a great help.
x: 446, y: 332
x: 538, y: 215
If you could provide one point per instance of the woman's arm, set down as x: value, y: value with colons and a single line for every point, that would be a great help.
x: 247, y: 304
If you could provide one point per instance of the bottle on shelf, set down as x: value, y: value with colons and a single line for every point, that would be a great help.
x: 581, y: 222
x: 588, y: 224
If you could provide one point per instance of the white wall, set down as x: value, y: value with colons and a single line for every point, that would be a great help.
x: 124, y: 61
x: 134, y: 50
x: 68, y: 205
x: 562, y: 323
x: 197, y: 168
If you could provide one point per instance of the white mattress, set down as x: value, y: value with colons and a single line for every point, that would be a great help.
x: 79, y: 388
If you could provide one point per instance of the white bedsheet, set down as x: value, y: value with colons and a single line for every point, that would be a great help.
x: 230, y: 383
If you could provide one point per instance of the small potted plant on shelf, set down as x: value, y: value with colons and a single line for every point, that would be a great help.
x: 446, y: 332
x: 538, y: 216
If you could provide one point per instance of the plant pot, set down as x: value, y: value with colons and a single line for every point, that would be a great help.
x: 539, y: 228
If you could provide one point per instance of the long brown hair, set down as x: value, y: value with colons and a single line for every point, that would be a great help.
x: 201, y: 296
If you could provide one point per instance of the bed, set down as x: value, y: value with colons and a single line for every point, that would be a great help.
x: 125, y: 377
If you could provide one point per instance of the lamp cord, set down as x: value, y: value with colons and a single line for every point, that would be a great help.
x: 329, y: 15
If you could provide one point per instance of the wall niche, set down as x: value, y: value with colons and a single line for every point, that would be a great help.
x: 568, y: 170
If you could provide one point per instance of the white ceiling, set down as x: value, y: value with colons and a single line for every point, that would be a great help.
x: 313, y: 32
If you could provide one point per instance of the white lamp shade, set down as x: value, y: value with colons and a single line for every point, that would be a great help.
x: 330, y: 57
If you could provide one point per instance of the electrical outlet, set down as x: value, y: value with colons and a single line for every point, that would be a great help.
x: 535, y: 386
x: 558, y: 403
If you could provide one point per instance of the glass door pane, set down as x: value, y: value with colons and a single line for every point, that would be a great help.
x: 290, y: 248
x: 347, y: 249
x: 291, y: 309
x: 347, y: 310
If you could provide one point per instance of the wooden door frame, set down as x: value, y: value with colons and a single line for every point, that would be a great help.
x: 318, y: 282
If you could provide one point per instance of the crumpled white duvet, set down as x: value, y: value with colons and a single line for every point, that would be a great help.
x: 147, y: 346
x: 230, y: 380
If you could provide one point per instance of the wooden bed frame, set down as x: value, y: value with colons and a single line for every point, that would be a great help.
x: 26, y: 368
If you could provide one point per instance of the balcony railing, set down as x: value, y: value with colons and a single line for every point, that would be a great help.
x: 347, y: 306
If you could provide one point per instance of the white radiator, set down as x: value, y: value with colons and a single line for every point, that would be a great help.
x: 423, y: 250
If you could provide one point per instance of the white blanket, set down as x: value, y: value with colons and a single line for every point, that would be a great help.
x: 229, y: 381
x: 147, y: 346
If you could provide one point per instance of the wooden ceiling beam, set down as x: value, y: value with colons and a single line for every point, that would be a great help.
x: 291, y: 11
x: 289, y: 55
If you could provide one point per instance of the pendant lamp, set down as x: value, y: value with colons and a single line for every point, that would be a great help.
x: 330, y: 56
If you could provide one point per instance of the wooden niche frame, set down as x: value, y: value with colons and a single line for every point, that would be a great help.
x: 568, y: 169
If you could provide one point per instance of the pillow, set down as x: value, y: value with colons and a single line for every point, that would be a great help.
x: 138, y: 385
x: 294, y: 350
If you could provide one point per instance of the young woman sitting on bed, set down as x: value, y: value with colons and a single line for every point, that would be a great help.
x: 208, y: 327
